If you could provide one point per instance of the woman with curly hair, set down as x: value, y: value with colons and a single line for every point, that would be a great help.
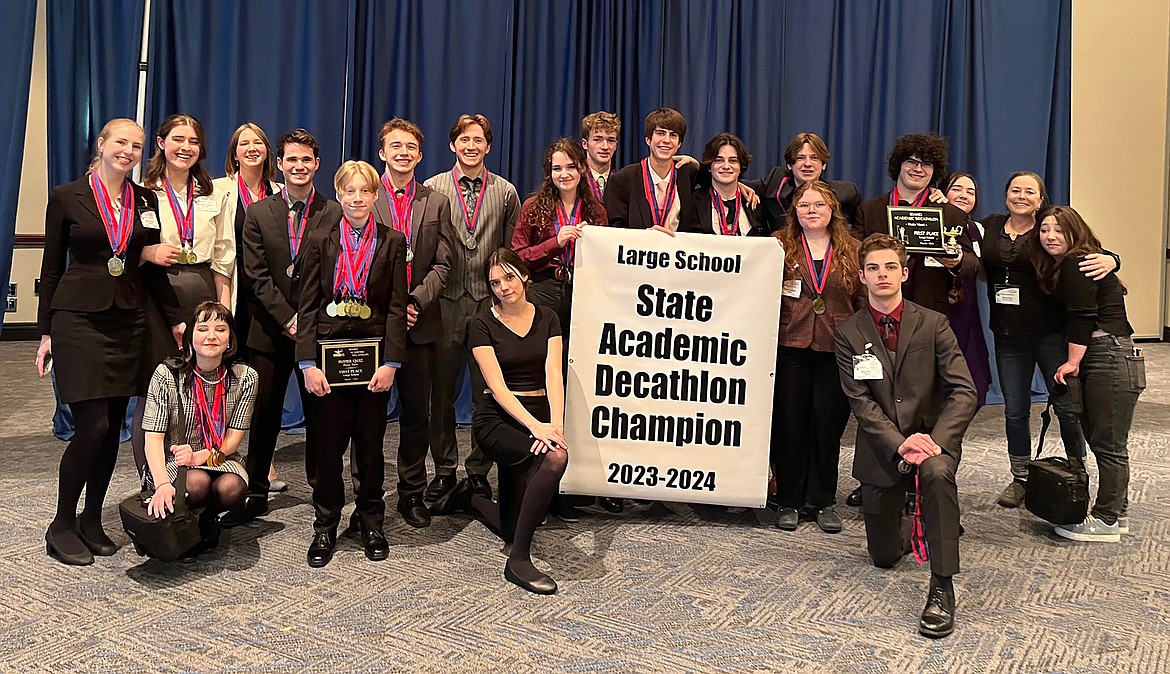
x: 550, y: 222
x: 810, y: 411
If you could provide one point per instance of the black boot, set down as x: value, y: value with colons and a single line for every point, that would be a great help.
x: 938, y: 618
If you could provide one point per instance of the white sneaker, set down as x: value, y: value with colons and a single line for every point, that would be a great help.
x: 1091, y: 530
x: 1123, y: 524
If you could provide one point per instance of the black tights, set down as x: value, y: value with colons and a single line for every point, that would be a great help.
x: 89, y: 458
x: 525, y: 492
x: 215, y: 491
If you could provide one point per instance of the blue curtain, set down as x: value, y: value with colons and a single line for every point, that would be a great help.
x: 93, y: 77
x: 278, y: 63
x: 16, y: 48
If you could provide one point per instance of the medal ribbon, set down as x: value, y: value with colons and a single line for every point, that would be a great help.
x: 593, y: 184
x: 470, y: 220
x: 117, y: 228
x: 658, y: 215
x: 728, y: 226
x: 209, y: 417
x: 895, y: 198
x: 783, y: 181
x: 184, y: 221
x: 400, y: 212
x: 353, y: 264
x: 818, y: 280
x: 296, y: 225
x: 562, y: 220
x: 246, y: 197
x: 918, y: 537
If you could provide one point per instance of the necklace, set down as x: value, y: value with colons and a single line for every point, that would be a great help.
x: 210, y: 382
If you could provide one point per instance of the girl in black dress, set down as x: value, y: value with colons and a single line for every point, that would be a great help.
x: 92, y: 320
x: 517, y: 345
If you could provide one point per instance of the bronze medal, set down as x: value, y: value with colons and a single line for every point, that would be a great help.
x: 331, y: 310
x: 470, y: 242
x: 116, y: 266
x: 563, y: 275
x: 364, y: 311
x: 954, y: 295
x: 819, y: 306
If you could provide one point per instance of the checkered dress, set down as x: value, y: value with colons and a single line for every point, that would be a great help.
x: 164, y: 404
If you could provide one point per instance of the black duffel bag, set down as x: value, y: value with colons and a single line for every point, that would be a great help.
x: 165, y: 538
x: 1058, y: 489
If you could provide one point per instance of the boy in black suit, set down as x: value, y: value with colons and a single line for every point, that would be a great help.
x: 654, y: 193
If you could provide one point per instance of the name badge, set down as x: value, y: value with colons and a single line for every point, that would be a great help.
x: 205, y: 204
x: 1009, y: 295
x: 149, y: 219
x: 933, y: 262
x: 791, y: 288
x: 867, y: 367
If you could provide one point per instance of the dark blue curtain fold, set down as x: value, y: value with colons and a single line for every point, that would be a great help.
x: 93, y: 76
x: 278, y: 63
x: 16, y: 49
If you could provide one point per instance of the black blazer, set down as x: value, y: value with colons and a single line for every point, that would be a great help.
x: 74, y: 276
x: 776, y: 209
x: 626, y: 205
x: 927, y: 286
x: 273, y: 296
x: 432, y: 245
x: 704, y: 221
x: 926, y: 389
x: 386, y: 292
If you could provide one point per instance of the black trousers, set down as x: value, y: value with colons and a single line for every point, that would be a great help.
x: 347, y: 413
x: 809, y: 414
x: 883, y: 508
x: 414, y: 398
x: 273, y: 370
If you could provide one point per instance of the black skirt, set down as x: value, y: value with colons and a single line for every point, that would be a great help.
x: 99, y: 354
x: 192, y: 284
x: 502, y: 438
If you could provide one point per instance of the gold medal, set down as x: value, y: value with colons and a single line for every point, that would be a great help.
x: 365, y: 311
x: 470, y: 242
x: 819, y: 306
x: 352, y: 309
x: 116, y: 266
x: 331, y: 310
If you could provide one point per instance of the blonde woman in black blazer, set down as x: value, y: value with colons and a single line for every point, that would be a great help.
x: 92, y: 322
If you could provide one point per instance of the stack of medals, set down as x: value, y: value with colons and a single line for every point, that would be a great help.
x: 400, y: 213
x: 184, y: 221
x: 564, y: 271
x: 210, y: 420
x: 818, y: 279
x: 352, y: 271
x: 118, y: 224
x: 296, y: 228
x: 659, y: 212
x: 728, y: 218
x: 470, y: 220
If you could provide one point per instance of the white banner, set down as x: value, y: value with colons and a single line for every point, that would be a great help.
x: 672, y: 356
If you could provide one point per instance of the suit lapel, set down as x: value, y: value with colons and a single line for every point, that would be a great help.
x: 911, y: 319
x: 417, y: 210
x: 870, y: 334
x: 87, y: 198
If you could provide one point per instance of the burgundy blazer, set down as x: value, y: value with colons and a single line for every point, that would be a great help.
x: 800, y: 326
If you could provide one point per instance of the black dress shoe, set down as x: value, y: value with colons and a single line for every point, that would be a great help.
x: 787, y: 519
x: 854, y: 498
x: 254, y: 506
x: 439, y: 486
x: 613, y: 505
x: 66, y: 547
x: 829, y: 521
x: 542, y: 585
x: 456, y: 500
x: 567, y: 513
x: 374, y: 544
x: 414, y: 511
x: 89, y: 529
x: 321, y: 549
x: 938, y: 618
x: 480, y: 485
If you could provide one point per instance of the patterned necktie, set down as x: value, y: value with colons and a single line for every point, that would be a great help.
x: 889, y: 327
x: 471, y: 187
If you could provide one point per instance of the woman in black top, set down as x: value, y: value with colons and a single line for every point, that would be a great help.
x: 92, y: 320
x: 517, y: 345
x: 1027, y: 325
x: 1111, y: 369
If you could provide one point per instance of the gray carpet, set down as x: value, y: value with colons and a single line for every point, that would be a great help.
x: 662, y: 588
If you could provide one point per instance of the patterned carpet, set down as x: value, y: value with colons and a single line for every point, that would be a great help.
x: 661, y: 588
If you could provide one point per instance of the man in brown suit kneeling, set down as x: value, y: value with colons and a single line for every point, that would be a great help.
x: 912, y: 394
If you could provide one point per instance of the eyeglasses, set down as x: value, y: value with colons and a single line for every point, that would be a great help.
x: 915, y: 162
x: 805, y: 206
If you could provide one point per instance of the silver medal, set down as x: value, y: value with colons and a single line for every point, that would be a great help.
x: 116, y: 266
x: 289, y: 271
x: 409, y: 254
